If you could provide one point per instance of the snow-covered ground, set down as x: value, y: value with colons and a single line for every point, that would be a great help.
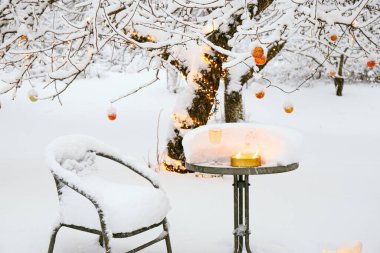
x: 333, y: 199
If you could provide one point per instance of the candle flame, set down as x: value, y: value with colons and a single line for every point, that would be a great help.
x: 254, y: 155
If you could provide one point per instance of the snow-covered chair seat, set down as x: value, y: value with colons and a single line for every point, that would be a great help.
x: 127, y: 207
x: 92, y: 204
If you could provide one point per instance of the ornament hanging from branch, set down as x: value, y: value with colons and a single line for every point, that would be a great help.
x: 33, y: 95
x: 257, y: 52
x: 333, y: 37
x: 371, y: 63
x: 260, y: 60
x: 111, y: 113
x: 260, y: 93
x: 288, y: 107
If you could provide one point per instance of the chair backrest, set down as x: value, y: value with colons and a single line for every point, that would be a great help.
x: 70, y: 156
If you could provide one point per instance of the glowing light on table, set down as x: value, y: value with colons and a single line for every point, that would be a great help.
x: 246, y: 160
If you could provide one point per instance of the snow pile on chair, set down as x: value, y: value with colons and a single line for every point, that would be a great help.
x: 127, y: 207
x: 76, y: 153
x: 71, y: 159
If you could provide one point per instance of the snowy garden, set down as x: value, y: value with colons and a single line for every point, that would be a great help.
x: 203, y: 126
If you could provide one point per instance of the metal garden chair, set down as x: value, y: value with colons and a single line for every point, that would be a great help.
x: 91, y: 204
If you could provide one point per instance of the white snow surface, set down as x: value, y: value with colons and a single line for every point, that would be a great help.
x: 330, y: 201
x: 276, y: 145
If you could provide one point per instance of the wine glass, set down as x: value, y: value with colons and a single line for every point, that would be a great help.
x: 215, y: 135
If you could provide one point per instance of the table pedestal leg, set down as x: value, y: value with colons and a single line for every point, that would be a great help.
x: 241, y: 225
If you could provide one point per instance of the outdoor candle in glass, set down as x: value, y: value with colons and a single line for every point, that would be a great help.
x: 246, y: 160
x: 215, y: 135
x: 249, y: 156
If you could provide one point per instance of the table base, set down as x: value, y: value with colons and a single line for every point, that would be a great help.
x: 241, y: 194
x: 241, y: 213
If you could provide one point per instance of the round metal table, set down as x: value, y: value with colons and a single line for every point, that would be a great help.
x: 241, y: 194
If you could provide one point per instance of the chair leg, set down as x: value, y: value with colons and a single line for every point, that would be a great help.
x: 105, y: 231
x: 106, y: 242
x: 101, y: 240
x: 52, y: 238
x: 167, y: 239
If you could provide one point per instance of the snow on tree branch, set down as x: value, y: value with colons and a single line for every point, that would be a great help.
x: 57, y: 41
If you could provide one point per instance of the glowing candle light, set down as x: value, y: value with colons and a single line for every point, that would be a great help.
x: 246, y: 159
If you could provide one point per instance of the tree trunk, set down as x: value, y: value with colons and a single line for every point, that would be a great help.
x: 339, y: 80
x: 233, y: 104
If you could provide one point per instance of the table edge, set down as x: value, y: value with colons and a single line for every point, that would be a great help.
x: 240, y: 170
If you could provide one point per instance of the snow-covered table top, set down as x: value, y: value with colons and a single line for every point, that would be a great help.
x: 277, y: 146
x: 226, y: 169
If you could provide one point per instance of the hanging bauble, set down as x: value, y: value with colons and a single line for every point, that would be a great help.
x: 371, y: 64
x: 288, y: 107
x: 333, y: 37
x: 260, y: 94
x: 111, y: 113
x: 257, y: 52
x: 33, y: 95
x: 260, y: 60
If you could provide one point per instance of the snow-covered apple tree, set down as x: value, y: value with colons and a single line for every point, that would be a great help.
x: 341, y: 37
x: 208, y: 43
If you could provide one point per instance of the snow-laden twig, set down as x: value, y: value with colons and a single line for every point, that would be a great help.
x: 156, y: 78
x: 158, y: 156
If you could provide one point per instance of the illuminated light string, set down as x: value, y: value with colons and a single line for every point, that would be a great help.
x: 170, y: 164
x: 205, y: 89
